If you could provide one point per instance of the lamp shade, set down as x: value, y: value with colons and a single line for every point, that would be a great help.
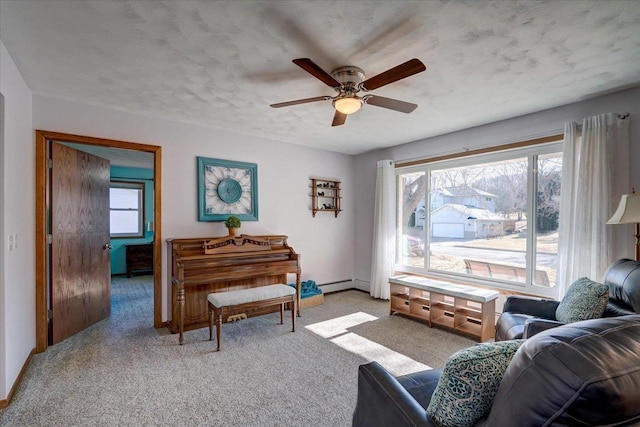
x: 628, y: 211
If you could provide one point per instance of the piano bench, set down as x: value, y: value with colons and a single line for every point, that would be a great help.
x: 258, y: 297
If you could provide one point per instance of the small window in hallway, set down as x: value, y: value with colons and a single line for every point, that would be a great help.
x: 126, y: 209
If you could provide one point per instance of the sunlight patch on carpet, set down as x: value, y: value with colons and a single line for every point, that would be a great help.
x: 340, y: 325
x: 337, y: 330
x: 394, y: 362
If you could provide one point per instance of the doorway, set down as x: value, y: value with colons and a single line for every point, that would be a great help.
x: 42, y: 196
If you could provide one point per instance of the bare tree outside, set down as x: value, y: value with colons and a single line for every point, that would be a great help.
x: 509, y: 183
x: 413, y: 193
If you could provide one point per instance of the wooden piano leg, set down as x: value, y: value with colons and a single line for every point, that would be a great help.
x: 293, y: 315
x: 218, y: 325
x: 282, y: 313
x: 298, y: 291
x: 210, y: 322
x: 181, y: 314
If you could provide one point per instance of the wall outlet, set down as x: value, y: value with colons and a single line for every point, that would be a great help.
x: 11, y: 242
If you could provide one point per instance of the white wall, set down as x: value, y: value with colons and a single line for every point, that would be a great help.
x: 530, y: 126
x: 325, y: 242
x: 17, y: 190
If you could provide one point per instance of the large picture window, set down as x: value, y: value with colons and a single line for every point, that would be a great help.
x: 126, y: 202
x: 490, y: 219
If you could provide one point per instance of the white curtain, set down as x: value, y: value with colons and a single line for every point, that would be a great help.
x: 594, y: 175
x: 384, y: 222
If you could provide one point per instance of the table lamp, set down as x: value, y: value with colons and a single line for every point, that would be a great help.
x: 628, y: 212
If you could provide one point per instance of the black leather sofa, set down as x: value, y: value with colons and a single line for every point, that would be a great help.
x: 523, y: 317
x: 583, y: 373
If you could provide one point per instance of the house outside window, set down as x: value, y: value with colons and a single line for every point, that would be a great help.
x: 489, y: 219
x: 126, y: 209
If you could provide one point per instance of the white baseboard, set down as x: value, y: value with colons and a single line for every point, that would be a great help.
x: 345, y: 285
x: 362, y: 285
x: 336, y: 286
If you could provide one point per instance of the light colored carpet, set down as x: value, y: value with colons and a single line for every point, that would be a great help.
x: 124, y: 372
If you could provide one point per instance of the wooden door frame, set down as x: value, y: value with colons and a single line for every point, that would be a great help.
x: 42, y: 136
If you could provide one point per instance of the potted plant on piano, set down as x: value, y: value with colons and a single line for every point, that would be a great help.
x: 233, y: 224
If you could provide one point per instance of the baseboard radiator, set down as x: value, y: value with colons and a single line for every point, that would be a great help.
x: 344, y: 285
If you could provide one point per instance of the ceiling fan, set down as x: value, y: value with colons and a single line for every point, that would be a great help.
x: 350, y: 80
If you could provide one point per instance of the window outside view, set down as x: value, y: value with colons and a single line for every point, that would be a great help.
x: 125, y: 201
x: 477, y: 222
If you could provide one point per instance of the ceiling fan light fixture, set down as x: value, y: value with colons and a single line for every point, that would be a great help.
x: 349, y: 80
x: 348, y: 104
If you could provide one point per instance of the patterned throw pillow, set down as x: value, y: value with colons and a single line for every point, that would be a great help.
x: 469, y: 382
x: 584, y: 300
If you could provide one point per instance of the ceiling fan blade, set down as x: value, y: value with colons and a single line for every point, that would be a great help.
x: 310, y: 67
x: 300, y: 101
x: 409, y: 68
x: 339, y: 119
x: 392, y: 104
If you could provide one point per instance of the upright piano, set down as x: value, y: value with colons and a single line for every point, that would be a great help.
x: 200, y: 266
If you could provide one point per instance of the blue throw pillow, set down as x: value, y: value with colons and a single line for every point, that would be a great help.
x: 584, y: 300
x: 469, y: 382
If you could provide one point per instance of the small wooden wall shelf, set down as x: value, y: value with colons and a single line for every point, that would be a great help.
x: 325, y: 196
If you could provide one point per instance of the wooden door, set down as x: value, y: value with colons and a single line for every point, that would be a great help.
x: 80, y: 285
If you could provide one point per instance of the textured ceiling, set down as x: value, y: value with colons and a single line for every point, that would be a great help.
x: 221, y: 63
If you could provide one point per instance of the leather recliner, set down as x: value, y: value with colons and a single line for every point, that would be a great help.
x: 523, y: 317
x: 583, y: 373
